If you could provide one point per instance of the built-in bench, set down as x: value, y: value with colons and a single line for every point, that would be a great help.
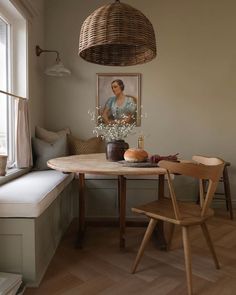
x: 35, y: 210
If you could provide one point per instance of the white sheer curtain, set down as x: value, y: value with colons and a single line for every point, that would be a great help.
x: 23, y: 136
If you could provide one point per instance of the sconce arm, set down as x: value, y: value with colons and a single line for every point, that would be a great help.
x: 38, y: 51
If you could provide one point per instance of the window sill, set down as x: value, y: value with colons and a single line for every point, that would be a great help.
x: 12, y: 174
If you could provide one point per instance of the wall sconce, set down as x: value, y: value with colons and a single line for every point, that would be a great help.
x: 56, y: 70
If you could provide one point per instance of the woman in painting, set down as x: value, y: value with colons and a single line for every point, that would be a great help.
x: 119, y: 108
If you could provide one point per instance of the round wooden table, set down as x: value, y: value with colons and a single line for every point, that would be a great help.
x: 97, y: 164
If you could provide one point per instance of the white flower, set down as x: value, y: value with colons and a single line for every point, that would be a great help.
x: 117, y: 130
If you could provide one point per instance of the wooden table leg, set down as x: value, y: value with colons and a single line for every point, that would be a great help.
x: 161, y: 186
x: 118, y: 194
x: 122, y: 208
x: 159, y: 230
x: 81, y: 211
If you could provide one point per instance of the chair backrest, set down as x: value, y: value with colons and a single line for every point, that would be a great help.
x: 203, y: 168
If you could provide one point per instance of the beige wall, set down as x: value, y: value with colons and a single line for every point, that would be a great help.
x: 188, y: 91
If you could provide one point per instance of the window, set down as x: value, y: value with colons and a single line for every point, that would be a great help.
x: 13, y: 73
x: 6, y: 103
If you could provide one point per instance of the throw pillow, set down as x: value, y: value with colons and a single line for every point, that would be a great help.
x: 92, y: 145
x: 45, y: 151
x: 50, y: 136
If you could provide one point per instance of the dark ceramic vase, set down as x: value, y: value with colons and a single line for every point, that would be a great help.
x: 115, y: 150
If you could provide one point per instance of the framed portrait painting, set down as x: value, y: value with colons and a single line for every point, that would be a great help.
x: 118, y: 97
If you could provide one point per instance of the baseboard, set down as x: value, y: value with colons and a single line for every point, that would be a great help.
x: 216, y: 203
x: 113, y: 221
x: 222, y: 204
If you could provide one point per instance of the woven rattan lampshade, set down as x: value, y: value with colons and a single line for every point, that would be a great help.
x: 117, y: 35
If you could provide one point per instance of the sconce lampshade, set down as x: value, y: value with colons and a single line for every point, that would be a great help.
x: 117, y: 35
x: 57, y: 70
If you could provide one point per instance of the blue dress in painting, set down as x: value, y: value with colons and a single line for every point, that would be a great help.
x: 129, y: 107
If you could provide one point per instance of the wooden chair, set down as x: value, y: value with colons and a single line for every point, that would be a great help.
x: 185, y: 214
x: 226, y: 194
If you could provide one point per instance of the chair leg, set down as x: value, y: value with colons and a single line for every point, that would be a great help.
x: 170, y: 238
x: 148, y: 233
x: 204, y: 183
x: 210, y: 244
x: 227, y: 193
x: 187, y: 255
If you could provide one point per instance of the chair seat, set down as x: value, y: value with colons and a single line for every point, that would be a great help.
x: 162, y: 209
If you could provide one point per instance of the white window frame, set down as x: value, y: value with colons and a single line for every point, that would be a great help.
x: 17, y: 69
x: 10, y: 106
x: 11, y: 103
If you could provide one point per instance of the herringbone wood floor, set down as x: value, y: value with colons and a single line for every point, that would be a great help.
x: 101, y: 268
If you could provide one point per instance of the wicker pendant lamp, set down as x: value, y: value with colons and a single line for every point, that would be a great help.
x: 117, y: 35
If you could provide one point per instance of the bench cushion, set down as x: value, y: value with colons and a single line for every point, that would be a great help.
x: 30, y: 194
